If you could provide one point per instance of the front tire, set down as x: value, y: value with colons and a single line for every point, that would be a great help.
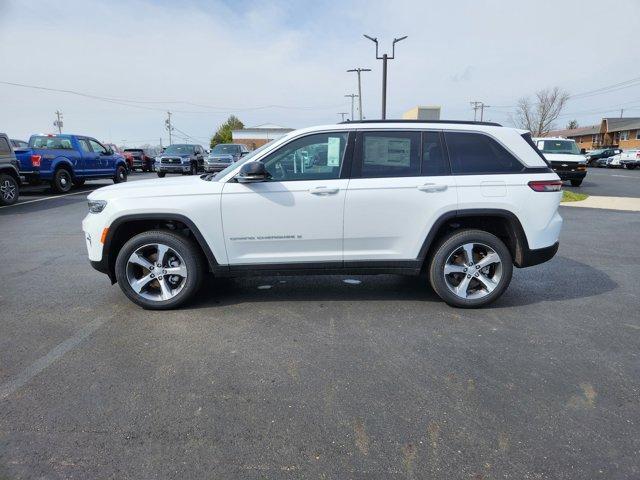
x: 161, y: 174
x: 9, y: 190
x: 78, y: 182
x: 631, y: 167
x: 159, y: 270
x: 576, y: 183
x: 62, y: 181
x: 120, y: 175
x: 194, y: 169
x: 470, y: 268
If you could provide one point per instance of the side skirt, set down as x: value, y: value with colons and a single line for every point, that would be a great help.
x: 399, y: 267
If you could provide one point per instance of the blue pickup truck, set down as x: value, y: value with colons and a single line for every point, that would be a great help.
x: 67, y: 160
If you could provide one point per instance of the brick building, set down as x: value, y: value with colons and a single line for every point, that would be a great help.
x: 254, y: 137
x: 612, y: 132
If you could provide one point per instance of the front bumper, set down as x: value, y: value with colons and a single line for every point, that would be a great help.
x: 172, y: 168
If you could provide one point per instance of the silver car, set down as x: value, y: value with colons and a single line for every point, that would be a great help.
x: 224, y: 154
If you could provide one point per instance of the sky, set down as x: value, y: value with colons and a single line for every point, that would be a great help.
x: 284, y: 62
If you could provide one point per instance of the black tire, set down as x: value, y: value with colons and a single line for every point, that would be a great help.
x: 453, y: 242
x: 194, y: 169
x: 161, y: 174
x: 576, y: 183
x: 9, y: 189
x: 78, y: 182
x: 62, y: 181
x: 120, y: 175
x: 631, y: 167
x: 185, y: 247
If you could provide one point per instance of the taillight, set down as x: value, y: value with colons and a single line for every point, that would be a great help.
x: 35, y: 160
x: 638, y: 155
x: 545, y: 185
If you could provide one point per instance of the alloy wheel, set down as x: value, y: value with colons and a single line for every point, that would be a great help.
x: 473, y: 270
x: 8, y: 190
x: 156, y: 272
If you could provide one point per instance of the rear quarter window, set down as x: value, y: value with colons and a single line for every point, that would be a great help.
x: 476, y: 153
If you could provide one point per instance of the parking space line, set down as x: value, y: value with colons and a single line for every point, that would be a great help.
x: 54, y: 354
x: 47, y: 198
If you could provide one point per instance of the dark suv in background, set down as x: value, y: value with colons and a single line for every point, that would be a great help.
x: 9, y: 176
x: 184, y: 158
x: 594, y: 156
x: 224, y: 154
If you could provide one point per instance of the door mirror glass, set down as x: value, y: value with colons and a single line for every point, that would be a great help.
x: 253, y: 172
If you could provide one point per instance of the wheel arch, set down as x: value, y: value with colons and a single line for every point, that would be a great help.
x: 125, y: 227
x: 502, y: 223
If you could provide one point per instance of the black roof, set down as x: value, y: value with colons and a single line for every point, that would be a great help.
x: 459, y: 122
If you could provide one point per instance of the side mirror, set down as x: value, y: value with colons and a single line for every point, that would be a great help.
x: 108, y: 151
x: 253, y: 172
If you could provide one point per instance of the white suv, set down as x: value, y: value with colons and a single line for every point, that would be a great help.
x: 461, y: 201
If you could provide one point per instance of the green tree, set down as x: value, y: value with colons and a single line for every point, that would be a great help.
x: 573, y: 124
x: 223, y: 134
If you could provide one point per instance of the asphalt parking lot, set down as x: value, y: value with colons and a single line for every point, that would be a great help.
x: 608, y: 182
x: 313, y: 377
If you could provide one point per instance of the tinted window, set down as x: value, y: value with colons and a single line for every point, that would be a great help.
x: 4, y: 146
x: 312, y: 157
x: 477, y: 153
x: 390, y: 154
x: 434, y: 161
x: 53, y: 143
x: 97, y: 147
x: 84, y: 145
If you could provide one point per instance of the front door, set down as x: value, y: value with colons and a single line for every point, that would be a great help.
x: 102, y: 157
x: 296, y: 216
x: 400, y: 185
x: 90, y: 160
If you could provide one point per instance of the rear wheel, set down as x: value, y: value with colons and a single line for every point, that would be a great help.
x: 159, y: 270
x: 576, y: 183
x: 120, y: 175
x: 470, y: 268
x: 78, y: 182
x: 161, y: 174
x: 9, y: 189
x: 194, y: 169
x: 62, y: 181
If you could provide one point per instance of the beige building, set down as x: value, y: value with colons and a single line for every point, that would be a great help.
x: 429, y: 112
x: 254, y: 137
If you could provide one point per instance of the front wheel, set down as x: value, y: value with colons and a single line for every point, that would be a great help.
x: 470, y: 268
x: 62, y: 181
x: 159, y: 270
x: 161, y: 174
x: 631, y: 167
x: 78, y: 182
x: 9, y: 190
x: 120, y: 175
x: 194, y: 169
x: 576, y: 183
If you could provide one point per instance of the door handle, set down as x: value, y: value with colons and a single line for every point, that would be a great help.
x: 432, y: 187
x: 323, y: 191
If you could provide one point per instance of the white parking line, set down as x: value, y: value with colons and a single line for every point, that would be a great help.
x: 48, y: 198
x: 54, y: 354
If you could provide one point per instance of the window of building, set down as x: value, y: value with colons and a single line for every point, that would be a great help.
x: 313, y: 157
x: 638, y: 134
x: 475, y: 153
x: 390, y: 154
x: 624, y: 135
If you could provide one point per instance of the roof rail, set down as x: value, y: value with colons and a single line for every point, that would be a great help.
x: 457, y: 122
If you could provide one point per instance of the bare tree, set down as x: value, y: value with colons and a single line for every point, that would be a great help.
x: 572, y: 125
x: 538, y: 116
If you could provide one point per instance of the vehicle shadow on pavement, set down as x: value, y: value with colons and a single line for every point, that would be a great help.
x: 559, y: 280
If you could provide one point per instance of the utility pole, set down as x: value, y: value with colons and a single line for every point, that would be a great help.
x: 343, y: 114
x: 58, y: 122
x: 384, y: 59
x: 168, y: 126
x: 478, y: 106
x: 358, y: 71
x: 353, y: 96
x: 621, y: 112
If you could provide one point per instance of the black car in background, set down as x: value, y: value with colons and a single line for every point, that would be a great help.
x: 140, y: 159
x: 9, y: 173
x: 595, y: 155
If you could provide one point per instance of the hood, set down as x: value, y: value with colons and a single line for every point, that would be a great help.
x: 564, y: 157
x: 158, y: 187
x: 221, y: 156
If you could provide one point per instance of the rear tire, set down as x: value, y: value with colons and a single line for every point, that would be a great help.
x: 474, y: 283
x: 161, y: 174
x: 9, y: 190
x: 120, y: 175
x: 631, y: 167
x: 78, y: 182
x: 194, y: 169
x: 62, y: 181
x: 576, y: 183
x: 181, y: 254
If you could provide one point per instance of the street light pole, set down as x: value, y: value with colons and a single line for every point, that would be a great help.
x: 353, y: 96
x: 358, y: 71
x: 384, y: 59
x: 343, y: 114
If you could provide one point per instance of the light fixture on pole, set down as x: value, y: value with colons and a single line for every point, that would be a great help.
x: 358, y: 71
x: 384, y: 59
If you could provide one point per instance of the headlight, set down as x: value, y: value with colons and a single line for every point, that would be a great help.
x: 96, y: 206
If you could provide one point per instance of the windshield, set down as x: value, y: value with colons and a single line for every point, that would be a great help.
x: 232, y: 166
x: 559, y: 146
x: 225, y: 149
x: 179, y: 150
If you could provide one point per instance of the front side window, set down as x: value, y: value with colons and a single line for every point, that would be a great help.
x: 390, y: 154
x: 314, y: 157
x: 434, y: 162
x: 96, y: 147
x: 476, y: 153
x: 84, y: 145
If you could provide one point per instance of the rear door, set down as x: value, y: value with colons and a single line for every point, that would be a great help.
x: 400, y: 184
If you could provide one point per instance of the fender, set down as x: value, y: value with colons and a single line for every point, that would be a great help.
x: 62, y: 161
x: 107, y: 264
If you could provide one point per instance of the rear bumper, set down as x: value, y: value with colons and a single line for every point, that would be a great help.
x: 538, y: 255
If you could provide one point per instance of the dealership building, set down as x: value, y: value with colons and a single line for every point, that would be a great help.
x: 254, y: 137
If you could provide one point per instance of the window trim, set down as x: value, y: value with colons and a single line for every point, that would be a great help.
x: 345, y: 167
x: 524, y: 168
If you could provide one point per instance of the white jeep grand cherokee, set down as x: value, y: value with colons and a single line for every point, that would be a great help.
x: 461, y: 201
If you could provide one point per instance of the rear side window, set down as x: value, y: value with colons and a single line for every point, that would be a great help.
x: 52, y: 143
x: 434, y: 162
x: 4, y: 146
x: 390, y: 154
x: 475, y: 153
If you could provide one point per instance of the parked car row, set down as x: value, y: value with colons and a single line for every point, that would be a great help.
x: 191, y: 159
x: 626, y: 159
